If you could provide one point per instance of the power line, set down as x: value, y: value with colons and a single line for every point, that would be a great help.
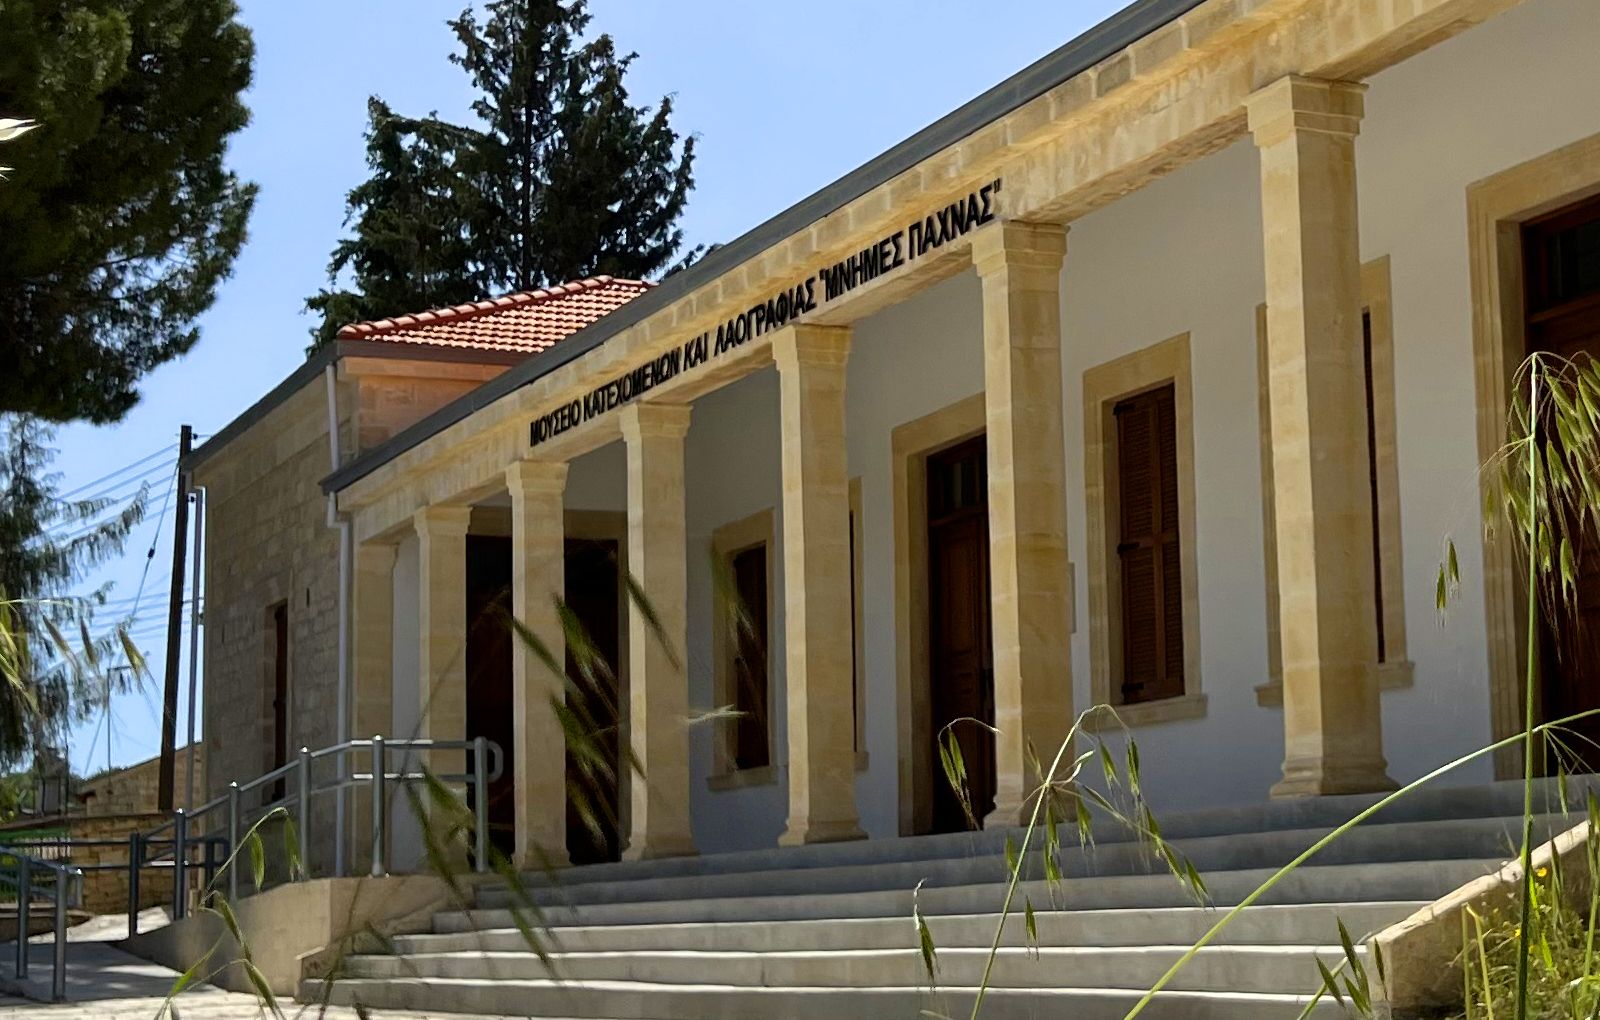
x: 125, y: 600
x: 121, y: 470
x: 108, y: 518
x: 119, y: 490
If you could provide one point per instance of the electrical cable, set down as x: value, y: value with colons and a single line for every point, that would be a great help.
x: 122, y: 470
x: 144, y: 575
x: 126, y: 489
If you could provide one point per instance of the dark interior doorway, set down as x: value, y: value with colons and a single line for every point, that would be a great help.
x: 593, y: 794
x: 593, y: 591
x: 1561, y: 253
x: 489, y: 701
x: 960, y: 657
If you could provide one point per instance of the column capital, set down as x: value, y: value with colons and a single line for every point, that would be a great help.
x: 808, y: 345
x: 668, y: 421
x: 1019, y: 243
x: 442, y: 519
x: 376, y: 555
x: 1293, y: 103
x: 537, y: 477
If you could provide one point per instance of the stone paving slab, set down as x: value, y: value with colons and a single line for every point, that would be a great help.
x: 105, y: 983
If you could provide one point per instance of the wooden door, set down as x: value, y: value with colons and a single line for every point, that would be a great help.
x: 489, y: 695
x: 961, y: 660
x: 1562, y: 265
x: 593, y: 798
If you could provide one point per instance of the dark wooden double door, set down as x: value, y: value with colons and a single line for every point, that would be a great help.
x: 593, y: 594
x: 961, y: 658
x: 1561, y: 259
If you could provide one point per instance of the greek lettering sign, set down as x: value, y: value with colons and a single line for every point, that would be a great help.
x: 913, y: 241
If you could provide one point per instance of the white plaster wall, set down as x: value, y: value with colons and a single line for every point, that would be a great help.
x: 733, y: 467
x: 1503, y: 93
x: 1182, y: 255
x: 405, y: 847
x: 599, y: 480
x: 906, y: 362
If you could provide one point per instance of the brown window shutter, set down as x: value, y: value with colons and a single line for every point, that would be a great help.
x: 751, y: 748
x: 1147, y: 546
x: 1372, y: 480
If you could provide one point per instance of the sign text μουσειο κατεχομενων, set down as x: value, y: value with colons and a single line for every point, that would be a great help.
x: 913, y: 241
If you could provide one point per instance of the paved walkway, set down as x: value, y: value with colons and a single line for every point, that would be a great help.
x: 105, y: 983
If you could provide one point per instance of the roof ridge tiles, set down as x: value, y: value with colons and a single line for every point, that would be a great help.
x: 473, y: 309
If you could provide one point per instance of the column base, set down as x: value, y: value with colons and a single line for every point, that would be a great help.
x: 1008, y: 815
x: 801, y: 833
x: 541, y: 859
x: 1311, y: 777
x: 657, y: 849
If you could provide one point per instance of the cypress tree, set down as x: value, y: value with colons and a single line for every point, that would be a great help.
x: 561, y: 176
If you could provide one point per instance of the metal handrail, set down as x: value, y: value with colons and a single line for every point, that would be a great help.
x: 487, y: 766
x: 66, y: 875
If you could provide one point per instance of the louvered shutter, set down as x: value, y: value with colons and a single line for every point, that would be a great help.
x: 1147, y: 547
x: 751, y: 748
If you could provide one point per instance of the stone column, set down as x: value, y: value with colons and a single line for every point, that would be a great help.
x: 1019, y: 264
x: 442, y: 634
x: 1322, y: 491
x: 658, y: 693
x: 816, y: 584
x: 372, y: 605
x: 538, y: 579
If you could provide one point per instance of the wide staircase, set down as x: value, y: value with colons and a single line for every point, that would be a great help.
x: 827, y: 932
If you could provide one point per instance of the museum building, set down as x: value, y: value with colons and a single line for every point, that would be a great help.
x: 1155, y: 377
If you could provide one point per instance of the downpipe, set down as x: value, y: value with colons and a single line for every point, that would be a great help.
x: 342, y: 701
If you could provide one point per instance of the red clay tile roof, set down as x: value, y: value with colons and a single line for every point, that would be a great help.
x: 526, y: 322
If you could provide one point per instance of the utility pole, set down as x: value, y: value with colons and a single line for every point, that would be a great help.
x: 169, y: 694
x: 194, y: 642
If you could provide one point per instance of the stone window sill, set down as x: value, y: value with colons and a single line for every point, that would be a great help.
x: 1185, y: 706
x: 1391, y: 676
x: 766, y: 775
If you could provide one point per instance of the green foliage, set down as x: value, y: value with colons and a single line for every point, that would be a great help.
x: 1561, y: 981
x: 46, y: 544
x: 1063, y: 793
x: 562, y: 176
x: 410, y: 250
x: 120, y: 219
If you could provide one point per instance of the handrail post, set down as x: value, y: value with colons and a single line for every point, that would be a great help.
x: 380, y: 841
x: 232, y: 856
x: 208, y: 862
x: 180, y: 865
x: 303, y: 804
x: 58, y: 976
x: 480, y: 804
x: 24, y: 895
x: 134, y: 853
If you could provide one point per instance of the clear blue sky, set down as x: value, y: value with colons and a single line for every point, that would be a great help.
x: 784, y: 98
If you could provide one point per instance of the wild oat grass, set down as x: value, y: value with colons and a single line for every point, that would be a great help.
x: 1560, y: 971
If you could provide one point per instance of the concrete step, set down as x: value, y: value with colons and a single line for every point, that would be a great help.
x: 638, y: 1000
x: 1254, y: 969
x: 1492, y: 800
x: 1296, y: 924
x: 1443, y: 839
x: 1407, y: 880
